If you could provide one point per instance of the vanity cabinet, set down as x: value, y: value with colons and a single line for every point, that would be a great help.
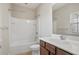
x: 43, y: 51
x: 42, y: 43
x: 49, y: 49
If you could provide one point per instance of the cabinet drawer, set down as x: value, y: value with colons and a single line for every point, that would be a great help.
x: 42, y: 43
x: 43, y: 51
x: 51, y: 48
x: 61, y: 52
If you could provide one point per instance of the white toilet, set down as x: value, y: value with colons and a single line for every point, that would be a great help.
x: 35, y: 49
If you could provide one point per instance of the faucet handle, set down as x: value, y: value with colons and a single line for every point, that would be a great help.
x: 62, y: 37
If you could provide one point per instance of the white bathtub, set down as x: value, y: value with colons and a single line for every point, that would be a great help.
x: 19, y: 48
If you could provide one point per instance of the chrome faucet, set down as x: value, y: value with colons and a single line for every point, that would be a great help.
x: 62, y: 37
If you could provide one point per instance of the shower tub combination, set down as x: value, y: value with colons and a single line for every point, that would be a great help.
x: 22, y: 34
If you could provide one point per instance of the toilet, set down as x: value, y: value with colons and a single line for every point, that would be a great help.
x: 35, y: 49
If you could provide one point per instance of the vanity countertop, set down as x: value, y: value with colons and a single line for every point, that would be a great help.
x: 67, y: 45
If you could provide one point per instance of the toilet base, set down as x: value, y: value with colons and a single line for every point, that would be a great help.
x: 35, y: 49
x: 36, y: 52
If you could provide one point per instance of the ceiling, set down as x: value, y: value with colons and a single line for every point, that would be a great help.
x: 28, y: 5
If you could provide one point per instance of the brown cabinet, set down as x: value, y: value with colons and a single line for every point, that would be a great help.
x: 49, y: 49
x: 44, y: 51
x: 42, y: 43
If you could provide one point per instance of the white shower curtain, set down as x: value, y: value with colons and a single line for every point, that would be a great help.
x: 22, y: 34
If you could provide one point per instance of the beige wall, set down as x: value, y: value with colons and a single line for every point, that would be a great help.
x: 62, y: 18
x: 4, y: 25
x: 44, y: 19
x: 23, y: 12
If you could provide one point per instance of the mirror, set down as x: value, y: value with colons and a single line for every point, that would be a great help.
x: 66, y: 18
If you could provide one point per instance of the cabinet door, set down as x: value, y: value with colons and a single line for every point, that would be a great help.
x: 51, y: 53
x: 43, y: 51
x: 51, y: 48
x: 42, y: 43
x: 61, y: 52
